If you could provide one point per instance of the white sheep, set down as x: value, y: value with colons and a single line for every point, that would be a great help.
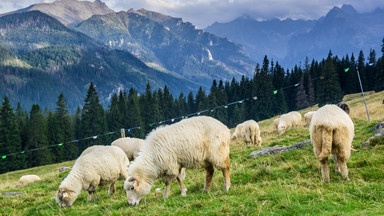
x: 332, y: 131
x: 131, y: 146
x: 198, y: 142
x: 276, y: 122
x: 102, y: 166
x: 90, y: 149
x: 288, y: 121
x: 249, y: 131
x: 308, y: 117
x: 25, y: 179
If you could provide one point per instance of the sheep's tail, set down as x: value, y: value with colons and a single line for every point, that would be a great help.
x: 326, y: 148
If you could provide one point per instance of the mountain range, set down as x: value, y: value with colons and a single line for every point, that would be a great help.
x: 49, y: 48
x: 43, y: 57
x: 40, y: 58
x: 342, y: 30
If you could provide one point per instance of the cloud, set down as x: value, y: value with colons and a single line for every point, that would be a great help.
x: 205, y: 12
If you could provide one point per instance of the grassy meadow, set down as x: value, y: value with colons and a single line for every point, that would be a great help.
x: 283, y: 184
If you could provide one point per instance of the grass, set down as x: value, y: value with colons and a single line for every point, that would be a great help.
x: 283, y: 184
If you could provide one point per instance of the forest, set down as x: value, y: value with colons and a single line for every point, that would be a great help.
x: 43, y: 136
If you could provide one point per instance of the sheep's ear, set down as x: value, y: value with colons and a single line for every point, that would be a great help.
x: 136, y: 185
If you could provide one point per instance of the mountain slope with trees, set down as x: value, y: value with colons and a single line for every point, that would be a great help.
x: 42, y: 58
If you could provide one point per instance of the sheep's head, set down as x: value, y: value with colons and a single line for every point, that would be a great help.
x: 65, y: 198
x: 136, y: 190
x: 236, y: 133
x: 259, y: 141
x: 281, y: 129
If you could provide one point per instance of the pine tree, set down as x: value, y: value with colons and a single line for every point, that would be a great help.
x: 379, y: 79
x: 134, y: 119
x: 63, y: 132
x: 329, y: 87
x: 10, y: 141
x: 301, y: 96
x: 262, y: 108
x: 311, y: 91
x: 114, y: 116
x: 37, y: 139
x: 93, y: 122
x: 191, y: 107
x: 278, y: 82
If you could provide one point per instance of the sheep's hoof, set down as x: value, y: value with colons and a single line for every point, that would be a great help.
x: 346, y: 179
x: 183, y: 193
x: 227, y: 187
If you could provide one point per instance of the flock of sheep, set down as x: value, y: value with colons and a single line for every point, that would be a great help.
x: 194, y: 143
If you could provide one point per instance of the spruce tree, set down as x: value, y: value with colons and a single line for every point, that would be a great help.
x: 93, y: 122
x: 134, y: 119
x: 329, y: 87
x: 301, y: 95
x: 37, y: 139
x: 10, y: 141
x: 63, y: 133
x: 379, y: 79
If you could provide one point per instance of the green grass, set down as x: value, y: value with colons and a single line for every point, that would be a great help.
x: 283, y: 184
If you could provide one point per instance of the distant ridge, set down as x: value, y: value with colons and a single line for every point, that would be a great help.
x: 342, y: 30
x: 69, y: 12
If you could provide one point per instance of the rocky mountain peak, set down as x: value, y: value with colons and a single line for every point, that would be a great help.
x: 70, y: 12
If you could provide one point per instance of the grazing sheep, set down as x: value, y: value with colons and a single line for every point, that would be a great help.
x: 288, y: 120
x: 90, y: 149
x: 344, y: 107
x: 131, y: 146
x: 308, y: 117
x: 25, y: 179
x: 103, y: 166
x: 276, y: 123
x: 332, y: 132
x: 198, y: 142
x: 249, y: 131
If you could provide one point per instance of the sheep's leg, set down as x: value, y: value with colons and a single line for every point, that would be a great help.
x: 227, y: 175
x: 337, y: 166
x: 89, y: 196
x: 111, y: 190
x: 344, y: 170
x: 182, y: 186
x: 167, y: 189
x: 325, y: 170
x: 208, y: 177
x: 95, y: 196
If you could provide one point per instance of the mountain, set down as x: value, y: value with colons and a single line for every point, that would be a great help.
x: 69, y: 12
x: 342, y: 30
x: 41, y: 58
x: 261, y: 38
x: 170, y: 43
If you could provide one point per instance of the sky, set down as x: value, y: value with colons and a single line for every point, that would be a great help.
x: 202, y: 13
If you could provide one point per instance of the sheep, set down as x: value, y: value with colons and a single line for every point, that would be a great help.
x: 276, y: 122
x: 331, y: 132
x: 102, y: 166
x: 197, y: 142
x: 344, y: 107
x: 308, y: 117
x: 90, y: 149
x: 131, y: 146
x: 25, y: 179
x: 288, y: 120
x: 249, y: 131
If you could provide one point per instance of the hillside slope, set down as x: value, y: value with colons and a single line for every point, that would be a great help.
x: 43, y: 58
x: 284, y: 184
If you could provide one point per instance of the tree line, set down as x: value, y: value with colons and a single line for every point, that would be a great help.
x: 271, y: 91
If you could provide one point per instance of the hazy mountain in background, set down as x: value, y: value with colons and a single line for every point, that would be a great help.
x: 41, y: 58
x: 170, y: 43
x: 342, y: 30
x: 69, y: 12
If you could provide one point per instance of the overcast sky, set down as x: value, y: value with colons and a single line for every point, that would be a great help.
x: 205, y: 12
